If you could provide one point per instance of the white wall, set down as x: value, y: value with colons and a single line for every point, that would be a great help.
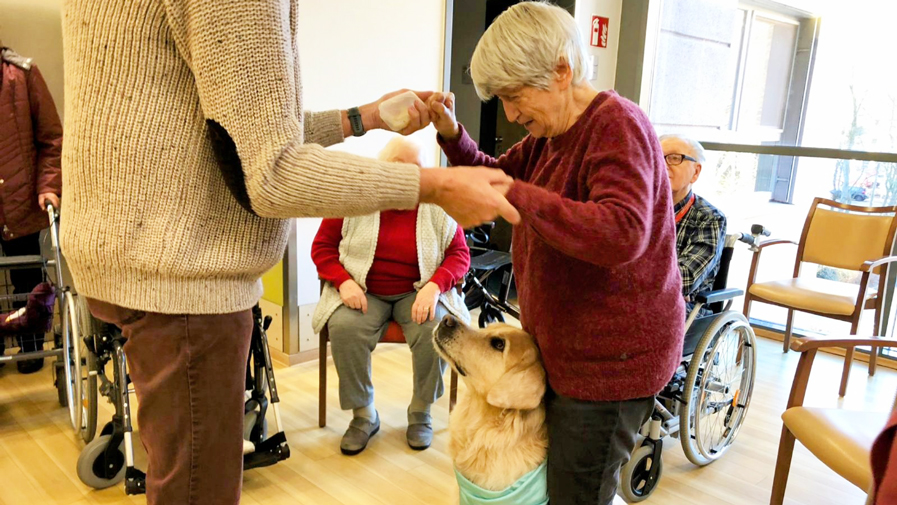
x: 33, y: 28
x: 605, y: 59
x: 353, y: 52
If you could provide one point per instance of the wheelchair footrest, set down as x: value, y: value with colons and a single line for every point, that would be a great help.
x: 135, y: 481
x: 268, y: 452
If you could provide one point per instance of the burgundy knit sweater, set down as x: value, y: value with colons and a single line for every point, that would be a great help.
x: 595, y: 256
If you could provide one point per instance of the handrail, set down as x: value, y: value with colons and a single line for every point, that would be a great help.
x: 805, y: 152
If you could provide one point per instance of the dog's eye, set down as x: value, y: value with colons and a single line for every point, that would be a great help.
x: 497, y: 344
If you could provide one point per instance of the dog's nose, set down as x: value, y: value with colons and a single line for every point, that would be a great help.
x: 449, y: 321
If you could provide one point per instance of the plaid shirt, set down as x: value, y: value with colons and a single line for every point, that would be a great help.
x: 700, y: 237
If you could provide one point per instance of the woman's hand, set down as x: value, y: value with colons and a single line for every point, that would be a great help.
x: 44, y: 198
x: 419, y: 113
x: 442, y: 113
x: 353, y: 296
x: 424, y: 308
x: 471, y: 196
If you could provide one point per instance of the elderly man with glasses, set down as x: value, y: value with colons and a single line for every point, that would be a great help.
x: 700, y: 227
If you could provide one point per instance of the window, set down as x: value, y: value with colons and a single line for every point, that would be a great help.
x: 764, y: 73
x: 722, y: 72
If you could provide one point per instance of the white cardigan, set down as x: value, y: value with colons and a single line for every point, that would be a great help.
x: 435, y: 232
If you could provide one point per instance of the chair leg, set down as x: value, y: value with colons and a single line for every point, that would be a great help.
x: 322, y: 381
x: 783, y: 467
x: 845, y: 375
x: 789, y: 326
x: 453, y: 390
x: 848, y: 359
x: 876, y: 327
x: 747, y: 306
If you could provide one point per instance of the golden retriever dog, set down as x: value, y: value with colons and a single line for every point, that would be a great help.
x: 498, y: 432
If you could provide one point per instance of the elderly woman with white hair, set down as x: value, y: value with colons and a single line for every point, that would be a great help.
x: 399, y: 265
x: 595, y: 252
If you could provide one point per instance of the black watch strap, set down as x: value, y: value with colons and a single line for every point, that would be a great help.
x: 355, y: 121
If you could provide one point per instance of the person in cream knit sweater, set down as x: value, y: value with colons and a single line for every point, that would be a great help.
x: 187, y: 149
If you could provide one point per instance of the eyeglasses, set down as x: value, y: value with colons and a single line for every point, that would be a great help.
x: 677, y: 159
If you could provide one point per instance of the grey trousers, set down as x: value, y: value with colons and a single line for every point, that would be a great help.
x: 353, y: 336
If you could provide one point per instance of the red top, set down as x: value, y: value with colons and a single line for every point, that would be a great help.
x: 595, y: 256
x: 395, y: 268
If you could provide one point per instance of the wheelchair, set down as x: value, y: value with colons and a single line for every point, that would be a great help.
x: 490, y: 267
x: 61, y: 319
x: 108, y: 459
x: 706, y: 402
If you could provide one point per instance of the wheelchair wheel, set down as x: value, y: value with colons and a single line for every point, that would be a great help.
x: 87, y: 327
x: 92, y: 464
x: 59, y: 381
x: 636, y: 480
x: 71, y: 357
x: 489, y: 315
x: 718, y: 388
x: 88, y: 394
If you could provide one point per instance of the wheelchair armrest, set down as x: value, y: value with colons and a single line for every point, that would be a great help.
x: 490, y: 260
x: 720, y: 295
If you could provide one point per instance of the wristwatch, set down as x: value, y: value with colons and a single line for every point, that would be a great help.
x: 355, y: 121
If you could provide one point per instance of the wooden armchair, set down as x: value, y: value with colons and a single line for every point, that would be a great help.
x: 841, y: 439
x: 841, y: 236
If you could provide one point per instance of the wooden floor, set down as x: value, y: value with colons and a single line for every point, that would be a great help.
x: 38, y: 451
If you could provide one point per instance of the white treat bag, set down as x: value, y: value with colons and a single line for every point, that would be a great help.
x: 394, y: 111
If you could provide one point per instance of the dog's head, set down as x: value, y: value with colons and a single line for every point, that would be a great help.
x: 499, y: 363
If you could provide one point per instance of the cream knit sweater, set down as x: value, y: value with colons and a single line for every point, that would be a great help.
x: 148, y: 222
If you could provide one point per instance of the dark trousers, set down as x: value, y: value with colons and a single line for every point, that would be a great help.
x: 588, y: 442
x: 24, y: 280
x: 189, y: 374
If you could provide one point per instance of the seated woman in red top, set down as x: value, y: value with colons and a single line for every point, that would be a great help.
x: 399, y: 265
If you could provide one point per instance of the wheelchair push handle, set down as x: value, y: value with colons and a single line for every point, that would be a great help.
x: 52, y: 212
x: 753, y: 239
x: 759, y: 229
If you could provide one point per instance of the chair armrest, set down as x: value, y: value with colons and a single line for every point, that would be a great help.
x: 719, y: 295
x: 809, y: 346
x: 755, y: 260
x: 775, y: 241
x: 805, y: 344
x: 869, y: 265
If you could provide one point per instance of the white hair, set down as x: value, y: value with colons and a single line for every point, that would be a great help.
x: 400, y: 145
x: 524, y: 46
x: 696, y: 148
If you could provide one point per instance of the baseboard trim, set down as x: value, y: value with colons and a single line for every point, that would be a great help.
x: 294, y: 359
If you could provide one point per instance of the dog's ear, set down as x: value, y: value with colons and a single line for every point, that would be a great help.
x: 519, y: 388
